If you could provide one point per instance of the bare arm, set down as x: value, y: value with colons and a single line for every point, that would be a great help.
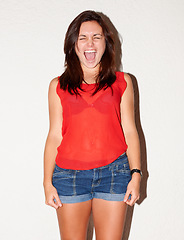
x: 132, y: 140
x: 53, y: 140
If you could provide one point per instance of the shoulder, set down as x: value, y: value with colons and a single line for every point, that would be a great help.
x: 127, y: 78
x: 122, y: 76
x: 53, y: 87
x: 129, y: 91
x: 54, y: 83
x: 124, y: 81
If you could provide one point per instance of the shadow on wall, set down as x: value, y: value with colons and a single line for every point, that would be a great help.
x: 117, y: 40
x: 143, y: 189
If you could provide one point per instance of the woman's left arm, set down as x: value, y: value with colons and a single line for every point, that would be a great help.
x: 132, y: 140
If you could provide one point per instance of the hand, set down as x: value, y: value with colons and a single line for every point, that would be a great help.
x: 133, y: 188
x: 51, y: 196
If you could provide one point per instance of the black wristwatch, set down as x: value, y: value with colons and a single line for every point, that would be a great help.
x: 136, y: 170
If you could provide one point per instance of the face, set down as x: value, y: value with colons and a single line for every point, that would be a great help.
x: 90, y: 45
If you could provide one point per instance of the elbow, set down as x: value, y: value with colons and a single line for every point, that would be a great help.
x: 54, y: 138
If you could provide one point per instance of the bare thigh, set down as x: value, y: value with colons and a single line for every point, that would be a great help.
x: 109, y: 218
x: 73, y: 220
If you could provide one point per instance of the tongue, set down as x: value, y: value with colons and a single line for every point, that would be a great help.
x: 90, y: 56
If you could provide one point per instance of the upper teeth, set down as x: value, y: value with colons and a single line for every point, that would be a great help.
x: 89, y: 51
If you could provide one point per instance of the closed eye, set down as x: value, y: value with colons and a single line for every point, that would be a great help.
x: 97, y: 36
x: 82, y: 37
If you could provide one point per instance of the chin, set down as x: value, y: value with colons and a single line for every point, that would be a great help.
x: 91, y: 65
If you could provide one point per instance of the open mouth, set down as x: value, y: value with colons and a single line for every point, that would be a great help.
x: 90, y: 55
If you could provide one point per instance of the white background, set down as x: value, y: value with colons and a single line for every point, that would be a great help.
x: 31, y: 54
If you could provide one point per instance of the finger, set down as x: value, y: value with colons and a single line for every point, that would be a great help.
x: 132, y: 201
x: 52, y: 203
x: 57, y: 200
x: 127, y: 196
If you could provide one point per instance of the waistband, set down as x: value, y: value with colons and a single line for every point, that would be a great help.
x: 122, y: 157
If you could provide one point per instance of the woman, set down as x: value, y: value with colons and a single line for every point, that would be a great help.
x: 93, y: 164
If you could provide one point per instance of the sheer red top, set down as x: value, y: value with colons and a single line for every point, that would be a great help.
x: 91, y: 128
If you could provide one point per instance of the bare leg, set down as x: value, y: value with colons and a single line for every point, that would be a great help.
x: 73, y: 220
x: 109, y: 218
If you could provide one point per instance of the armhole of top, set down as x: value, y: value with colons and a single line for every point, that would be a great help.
x: 58, y: 87
x: 121, y: 82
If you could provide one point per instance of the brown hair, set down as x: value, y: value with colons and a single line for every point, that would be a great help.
x: 72, y: 77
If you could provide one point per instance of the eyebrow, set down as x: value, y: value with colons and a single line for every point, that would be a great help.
x: 97, y: 34
x: 83, y: 35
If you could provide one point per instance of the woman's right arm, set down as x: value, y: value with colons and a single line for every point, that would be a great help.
x: 53, y: 140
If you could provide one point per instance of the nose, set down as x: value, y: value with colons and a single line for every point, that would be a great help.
x: 90, y: 42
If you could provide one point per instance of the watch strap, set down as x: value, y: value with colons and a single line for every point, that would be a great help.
x: 136, y: 170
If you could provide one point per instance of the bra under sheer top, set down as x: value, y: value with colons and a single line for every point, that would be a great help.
x: 92, y: 133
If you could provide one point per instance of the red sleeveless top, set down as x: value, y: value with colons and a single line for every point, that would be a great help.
x: 91, y: 128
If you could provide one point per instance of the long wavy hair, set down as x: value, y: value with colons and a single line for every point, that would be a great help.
x: 72, y: 77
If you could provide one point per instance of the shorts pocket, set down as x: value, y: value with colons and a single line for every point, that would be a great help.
x: 62, y: 173
x: 123, y: 167
x: 64, y: 181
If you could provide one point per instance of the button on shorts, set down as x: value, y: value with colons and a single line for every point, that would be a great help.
x: 108, y: 182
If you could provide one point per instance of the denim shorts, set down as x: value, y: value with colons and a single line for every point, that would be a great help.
x: 108, y: 182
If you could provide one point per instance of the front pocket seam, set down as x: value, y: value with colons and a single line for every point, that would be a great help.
x: 125, y: 168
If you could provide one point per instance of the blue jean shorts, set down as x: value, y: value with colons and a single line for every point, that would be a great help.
x: 108, y: 182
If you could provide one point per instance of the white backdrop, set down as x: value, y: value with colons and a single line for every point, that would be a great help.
x: 31, y: 54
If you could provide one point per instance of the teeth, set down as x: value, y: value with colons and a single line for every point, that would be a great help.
x: 89, y: 51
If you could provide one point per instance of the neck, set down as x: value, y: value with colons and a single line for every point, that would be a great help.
x: 90, y: 75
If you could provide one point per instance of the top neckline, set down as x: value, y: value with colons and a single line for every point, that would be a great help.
x: 88, y: 84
